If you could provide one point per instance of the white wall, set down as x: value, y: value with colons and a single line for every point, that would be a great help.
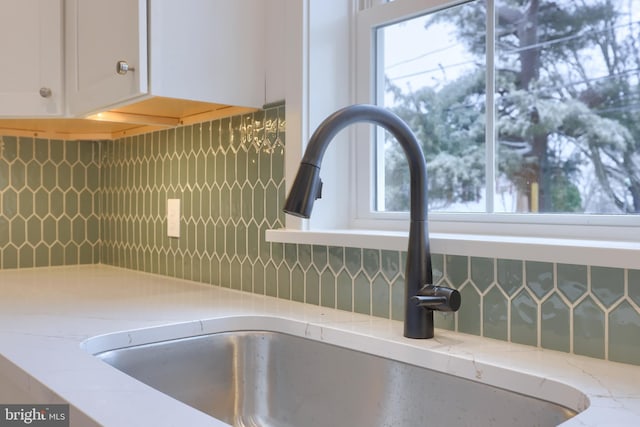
x: 275, y: 51
x: 319, y: 57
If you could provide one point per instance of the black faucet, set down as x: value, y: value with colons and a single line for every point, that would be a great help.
x: 421, y: 297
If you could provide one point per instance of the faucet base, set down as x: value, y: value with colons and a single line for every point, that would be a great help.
x: 420, y: 328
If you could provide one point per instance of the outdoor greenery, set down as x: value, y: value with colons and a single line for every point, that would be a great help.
x: 567, y: 116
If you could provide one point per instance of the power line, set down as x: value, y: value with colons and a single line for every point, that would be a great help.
x: 516, y: 50
x: 564, y: 39
x: 424, y: 55
x: 440, y: 68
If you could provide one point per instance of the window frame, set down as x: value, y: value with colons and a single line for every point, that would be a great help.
x: 311, y: 96
x: 363, y: 155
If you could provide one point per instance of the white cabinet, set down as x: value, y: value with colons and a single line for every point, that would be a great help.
x: 200, y: 50
x: 99, y: 35
x: 31, y: 77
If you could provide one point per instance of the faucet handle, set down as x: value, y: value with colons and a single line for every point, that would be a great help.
x: 438, y: 298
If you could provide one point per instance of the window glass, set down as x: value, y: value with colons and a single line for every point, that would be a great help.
x: 545, y: 120
x: 434, y: 79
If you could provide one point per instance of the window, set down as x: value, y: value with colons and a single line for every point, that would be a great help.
x: 523, y: 108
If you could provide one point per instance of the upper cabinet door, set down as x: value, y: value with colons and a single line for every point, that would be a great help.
x: 208, y: 50
x: 31, y: 58
x: 106, y: 57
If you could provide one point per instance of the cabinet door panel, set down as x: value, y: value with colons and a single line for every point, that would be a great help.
x: 31, y: 59
x: 216, y: 56
x: 100, y: 34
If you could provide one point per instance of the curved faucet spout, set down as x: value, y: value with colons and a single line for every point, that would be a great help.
x: 307, y: 187
x: 308, y: 174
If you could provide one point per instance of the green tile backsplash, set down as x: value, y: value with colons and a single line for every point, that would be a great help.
x: 229, y: 176
x: 49, y: 202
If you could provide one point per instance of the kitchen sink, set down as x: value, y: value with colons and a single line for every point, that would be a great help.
x: 260, y: 378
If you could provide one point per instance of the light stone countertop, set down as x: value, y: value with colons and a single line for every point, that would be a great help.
x: 53, y: 319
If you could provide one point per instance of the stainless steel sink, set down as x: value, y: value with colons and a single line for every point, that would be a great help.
x: 261, y: 378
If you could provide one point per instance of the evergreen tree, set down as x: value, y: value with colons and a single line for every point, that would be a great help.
x: 567, y: 88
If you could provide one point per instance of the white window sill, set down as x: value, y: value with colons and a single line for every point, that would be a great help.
x: 620, y: 254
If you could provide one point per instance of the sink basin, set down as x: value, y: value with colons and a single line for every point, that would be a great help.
x: 259, y: 378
